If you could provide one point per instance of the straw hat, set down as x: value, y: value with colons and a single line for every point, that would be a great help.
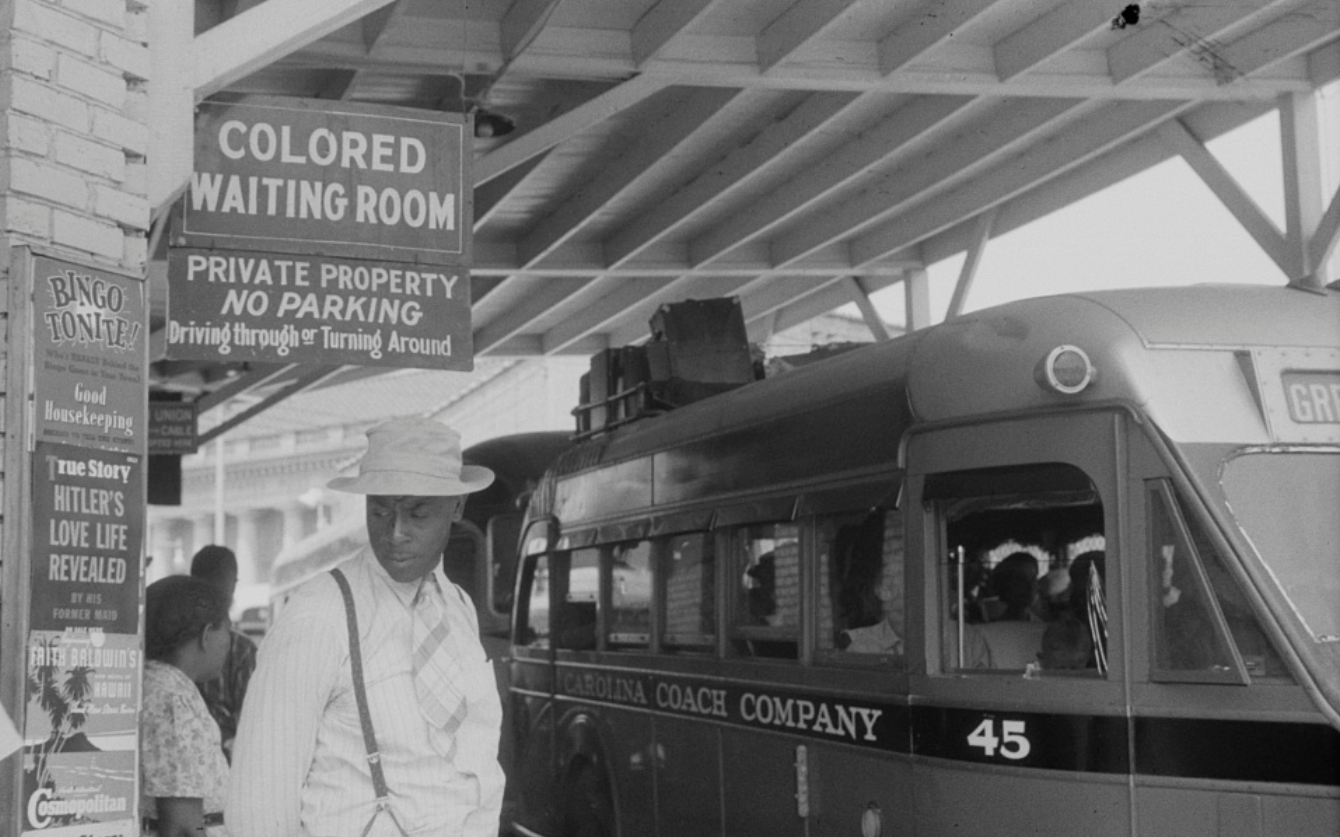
x: 414, y: 457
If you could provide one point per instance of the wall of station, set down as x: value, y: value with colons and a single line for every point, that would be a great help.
x: 73, y: 213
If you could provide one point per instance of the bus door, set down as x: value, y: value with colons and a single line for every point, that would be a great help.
x: 530, y: 709
x: 1226, y: 741
x: 603, y: 727
x: 687, y: 691
x: 859, y: 766
x: 764, y: 765
x: 1019, y: 715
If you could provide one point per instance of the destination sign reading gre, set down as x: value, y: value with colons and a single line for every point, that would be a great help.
x: 1313, y: 397
x: 1298, y: 391
x: 283, y: 175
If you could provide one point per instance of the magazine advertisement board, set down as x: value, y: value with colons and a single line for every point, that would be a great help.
x: 89, y: 339
x: 87, y: 530
x: 76, y: 430
x: 79, y: 756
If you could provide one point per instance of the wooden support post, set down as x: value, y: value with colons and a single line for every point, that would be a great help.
x: 981, y: 234
x: 1303, y: 202
x: 1230, y: 193
x: 861, y: 297
x: 171, y: 105
x: 917, y: 293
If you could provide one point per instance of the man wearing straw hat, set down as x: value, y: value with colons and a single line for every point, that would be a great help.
x: 373, y: 710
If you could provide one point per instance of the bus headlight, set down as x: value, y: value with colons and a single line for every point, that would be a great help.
x: 1066, y: 370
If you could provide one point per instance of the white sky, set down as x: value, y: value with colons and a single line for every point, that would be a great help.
x: 1161, y: 227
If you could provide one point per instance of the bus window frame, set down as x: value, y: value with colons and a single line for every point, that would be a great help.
x: 560, y: 574
x: 664, y: 642
x: 1160, y: 491
x: 1027, y: 485
x: 504, y: 559
x: 840, y: 657
x: 464, y: 530
x: 619, y: 642
x: 732, y: 535
x: 521, y: 612
x: 1089, y: 439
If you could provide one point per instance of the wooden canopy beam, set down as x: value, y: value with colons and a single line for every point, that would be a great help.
x: 997, y: 133
x: 1234, y: 198
x: 681, y: 117
x: 307, y: 380
x: 265, y: 33
x: 662, y: 23
x: 802, y: 23
x: 1054, y: 32
x: 1059, y: 153
x: 565, y: 126
x: 776, y: 146
x: 849, y: 165
x: 933, y: 24
x: 861, y: 297
x: 980, y: 236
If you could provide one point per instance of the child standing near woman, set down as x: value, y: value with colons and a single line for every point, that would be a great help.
x: 183, y: 773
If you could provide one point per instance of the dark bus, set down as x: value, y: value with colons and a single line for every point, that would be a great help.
x: 1065, y: 566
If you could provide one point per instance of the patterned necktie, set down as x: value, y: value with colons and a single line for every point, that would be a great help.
x: 437, y: 674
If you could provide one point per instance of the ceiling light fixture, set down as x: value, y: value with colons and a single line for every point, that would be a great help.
x: 489, y: 124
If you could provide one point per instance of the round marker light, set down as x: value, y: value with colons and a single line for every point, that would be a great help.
x: 872, y: 821
x: 1065, y: 369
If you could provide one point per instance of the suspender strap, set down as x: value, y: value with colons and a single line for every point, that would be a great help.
x: 360, y: 692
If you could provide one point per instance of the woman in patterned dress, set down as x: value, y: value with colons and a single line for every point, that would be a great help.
x: 183, y: 773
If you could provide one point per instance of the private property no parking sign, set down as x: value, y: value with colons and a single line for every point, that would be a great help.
x: 336, y: 236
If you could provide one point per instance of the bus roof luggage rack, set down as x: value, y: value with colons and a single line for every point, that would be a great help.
x: 698, y: 348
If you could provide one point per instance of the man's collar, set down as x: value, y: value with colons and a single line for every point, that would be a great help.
x: 406, y: 591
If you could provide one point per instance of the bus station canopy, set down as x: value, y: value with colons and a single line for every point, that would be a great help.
x: 798, y: 154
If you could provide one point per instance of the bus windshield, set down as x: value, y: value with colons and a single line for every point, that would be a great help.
x: 1285, y: 502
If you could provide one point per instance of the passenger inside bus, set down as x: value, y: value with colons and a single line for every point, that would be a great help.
x: 1014, y: 637
x: 1088, y: 580
x: 1066, y: 644
x: 976, y: 600
x: 760, y: 586
x: 1068, y: 641
x: 865, y: 586
x: 575, y: 623
x: 1008, y: 534
x: 767, y: 616
x: 1192, y: 583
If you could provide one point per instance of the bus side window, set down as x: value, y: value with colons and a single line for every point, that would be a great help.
x: 460, y: 561
x: 767, y: 611
x: 690, y: 593
x: 533, y: 620
x: 577, y: 591
x: 503, y: 532
x: 1258, y: 654
x: 1023, y: 572
x: 630, y: 595
x: 1195, y: 600
x: 861, y: 596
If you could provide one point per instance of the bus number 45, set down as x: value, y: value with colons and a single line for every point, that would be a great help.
x: 1012, y: 741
